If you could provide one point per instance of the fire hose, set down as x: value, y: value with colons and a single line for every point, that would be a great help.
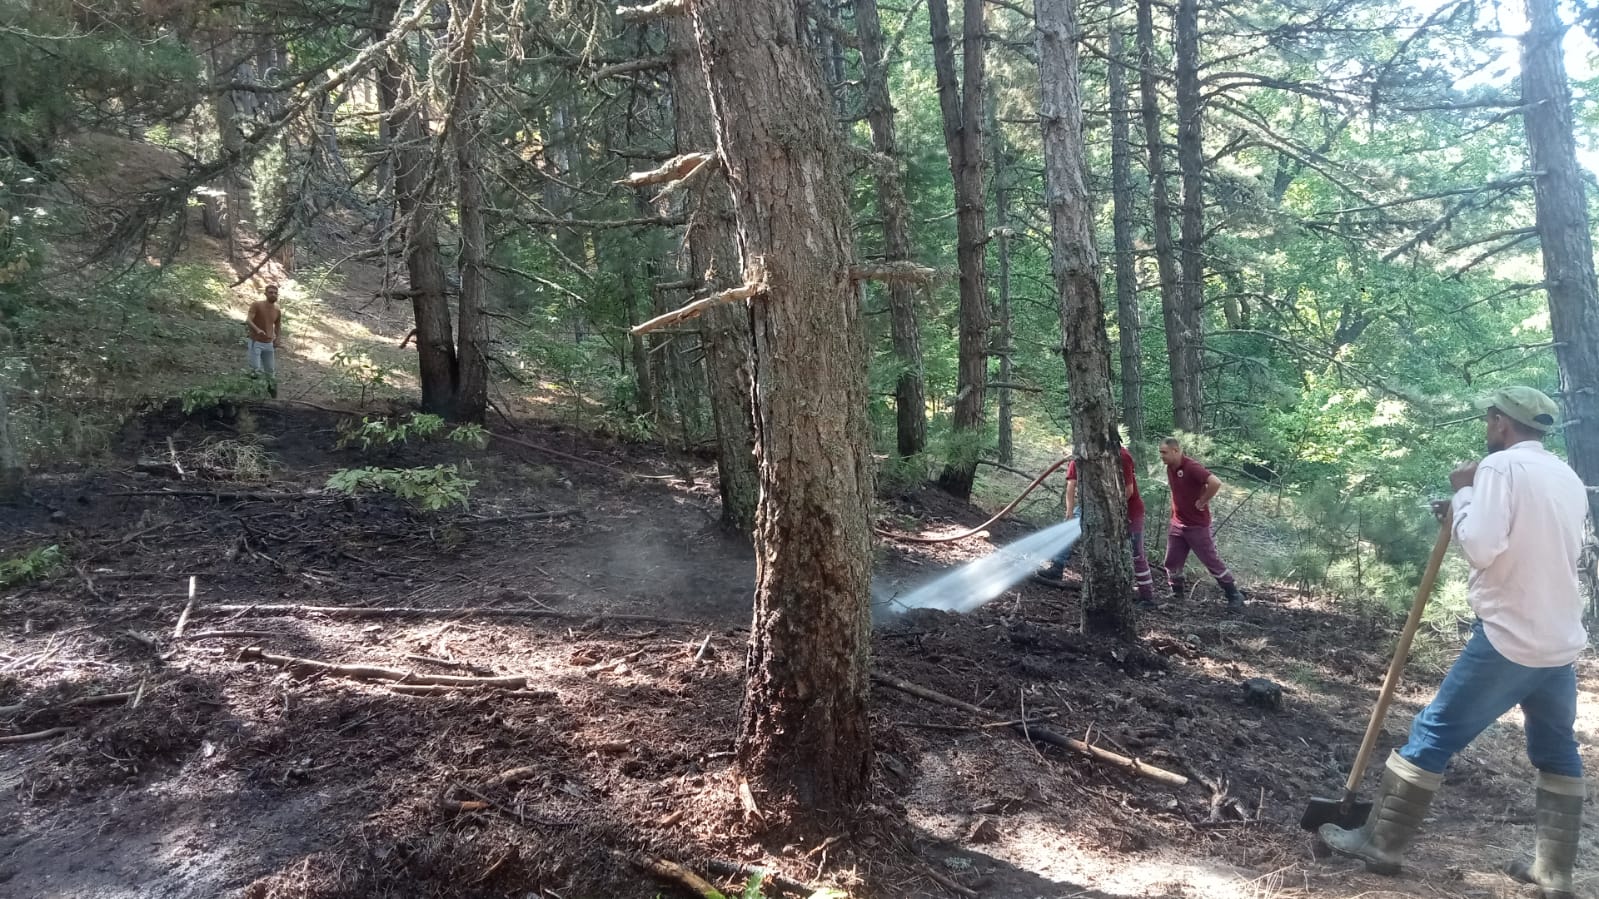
x: 950, y: 538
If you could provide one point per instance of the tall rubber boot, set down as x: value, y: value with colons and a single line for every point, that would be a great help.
x: 1395, y: 817
x: 1235, y: 597
x: 1559, y: 829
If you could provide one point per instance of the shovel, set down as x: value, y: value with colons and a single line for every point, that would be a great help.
x: 1346, y: 812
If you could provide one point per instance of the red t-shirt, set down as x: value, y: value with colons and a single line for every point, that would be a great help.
x: 1135, y: 503
x: 1187, y: 479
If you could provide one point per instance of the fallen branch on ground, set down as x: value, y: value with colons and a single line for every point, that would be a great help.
x: 263, y: 495
x: 1135, y: 766
x: 468, y: 690
x: 274, y: 609
x: 217, y: 635
x: 102, y: 699
x: 672, y: 872
x: 35, y: 737
x: 300, y: 666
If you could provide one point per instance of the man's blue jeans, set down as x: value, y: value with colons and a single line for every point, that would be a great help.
x: 1481, y: 686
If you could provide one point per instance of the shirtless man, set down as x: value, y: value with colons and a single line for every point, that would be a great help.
x: 264, y: 321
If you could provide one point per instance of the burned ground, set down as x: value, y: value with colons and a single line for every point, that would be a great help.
x: 178, y: 769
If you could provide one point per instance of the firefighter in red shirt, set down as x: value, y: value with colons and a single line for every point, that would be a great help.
x: 1056, y: 569
x: 1192, y: 488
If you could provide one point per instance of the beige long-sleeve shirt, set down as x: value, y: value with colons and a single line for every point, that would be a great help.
x: 1520, y: 526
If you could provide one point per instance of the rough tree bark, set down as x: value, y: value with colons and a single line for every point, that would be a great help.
x: 714, y: 258
x: 1107, y: 569
x: 962, y: 108
x: 1186, y: 355
x: 1160, y: 193
x: 905, y: 326
x: 472, y: 376
x: 803, y: 738
x: 11, y: 473
x: 1006, y: 448
x: 435, y: 341
x: 1560, y: 197
x: 1129, y: 321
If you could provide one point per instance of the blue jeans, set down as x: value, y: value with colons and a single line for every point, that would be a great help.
x: 1481, y: 686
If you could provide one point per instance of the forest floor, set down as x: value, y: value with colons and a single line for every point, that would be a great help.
x: 594, y: 569
x: 600, y: 582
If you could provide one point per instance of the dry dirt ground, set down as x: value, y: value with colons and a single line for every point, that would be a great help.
x: 598, y: 575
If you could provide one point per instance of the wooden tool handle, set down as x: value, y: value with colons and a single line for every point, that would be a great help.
x: 1401, y: 652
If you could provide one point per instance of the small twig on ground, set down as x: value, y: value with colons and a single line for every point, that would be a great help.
x: 608, y: 664
x: 304, y: 667
x: 704, y: 650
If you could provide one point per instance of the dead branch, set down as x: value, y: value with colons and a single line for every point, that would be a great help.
x: 657, y: 10
x: 232, y: 495
x: 654, y: 221
x: 645, y: 64
x: 1135, y: 766
x: 674, y: 169
x: 951, y: 885
x: 901, y: 270
x: 445, y: 690
x: 751, y: 288
x: 305, y: 667
x: 35, y: 737
x: 695, y: 175
x: 277, y: 609
x: 80, y: 702
x: 217, y: 635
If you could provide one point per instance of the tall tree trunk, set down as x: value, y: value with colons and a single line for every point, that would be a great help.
x: 905, y: 326
x: 1187, y: 395
x: 472, y: 378
x: 1560, y: 197
x: 435, y: 341
x: 1160, y: 192
x: 804, y: 736
x: 1129, y: 321
x: 1107, y: 569
x: 1007, y: 449
x: 714, y: 257
x: 962, y: 108
x: 228, y: 66
x: 11, y: 475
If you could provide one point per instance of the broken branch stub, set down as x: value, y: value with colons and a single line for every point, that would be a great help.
x: 753, y: 286
x: 649, y: 11
x: 674, y: 169
x: 901, y: 270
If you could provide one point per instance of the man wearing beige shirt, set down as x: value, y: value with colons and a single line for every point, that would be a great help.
x: 1518, y: 517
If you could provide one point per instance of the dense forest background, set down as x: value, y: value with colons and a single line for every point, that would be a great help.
x: 1317, y: 224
